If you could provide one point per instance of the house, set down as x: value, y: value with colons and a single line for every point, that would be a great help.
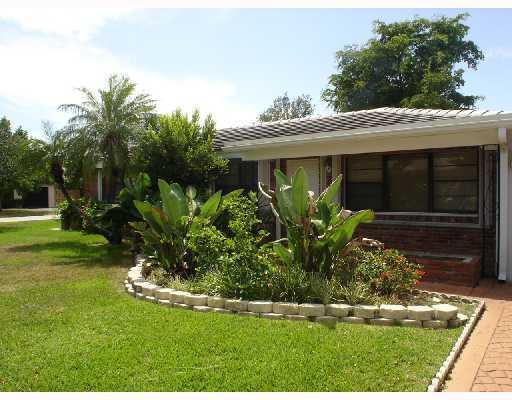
x: 439, y: 181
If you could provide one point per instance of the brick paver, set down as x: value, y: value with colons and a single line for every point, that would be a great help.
x: 485, y: 364
x: 495, y: 371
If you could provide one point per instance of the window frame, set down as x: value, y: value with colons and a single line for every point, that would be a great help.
x: 429, y: 154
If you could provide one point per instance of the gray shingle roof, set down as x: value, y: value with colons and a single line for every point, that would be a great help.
x: 378, y: 117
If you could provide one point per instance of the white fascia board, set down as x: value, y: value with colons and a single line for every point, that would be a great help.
x: 418, y: 129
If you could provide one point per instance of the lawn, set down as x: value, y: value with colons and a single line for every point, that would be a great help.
x: 67, y: 325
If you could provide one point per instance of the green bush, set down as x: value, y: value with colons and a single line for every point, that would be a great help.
x: 385, y: 272
x: 227, y: 257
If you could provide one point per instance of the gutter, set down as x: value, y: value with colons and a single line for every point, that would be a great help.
x: 417, y: 129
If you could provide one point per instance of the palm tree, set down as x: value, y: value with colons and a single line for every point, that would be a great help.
x: 110, y: 122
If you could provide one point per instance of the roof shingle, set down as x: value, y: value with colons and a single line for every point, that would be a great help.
x: 378, y: 117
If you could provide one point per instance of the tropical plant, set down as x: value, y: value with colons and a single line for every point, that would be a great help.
x: 165, y: 230
x: 109, y: 123
x: 318, y: 231
x: 112, y: 219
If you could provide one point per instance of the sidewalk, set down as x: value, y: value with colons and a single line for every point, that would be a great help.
x: 31, y: 218
x: 485, y: 364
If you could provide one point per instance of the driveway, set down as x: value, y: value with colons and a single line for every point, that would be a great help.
x: 485, y: 364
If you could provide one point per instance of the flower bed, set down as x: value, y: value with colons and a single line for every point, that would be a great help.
x: 437, y: 316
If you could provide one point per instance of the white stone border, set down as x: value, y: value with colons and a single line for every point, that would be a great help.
x: 441, y: 375
x: 439, y: 316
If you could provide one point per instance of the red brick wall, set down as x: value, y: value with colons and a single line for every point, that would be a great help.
x: 437, y: 239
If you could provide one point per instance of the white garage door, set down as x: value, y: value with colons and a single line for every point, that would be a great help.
x: 312, y: 168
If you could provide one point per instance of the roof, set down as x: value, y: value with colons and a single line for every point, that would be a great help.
x: 378, y: 117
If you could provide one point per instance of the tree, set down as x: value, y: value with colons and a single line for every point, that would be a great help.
x: 409, y: 64
x: 109, y: 123
x: 178, y: 149
x: 21, y: 168
x: 284, y: 108
x: 68, y: 158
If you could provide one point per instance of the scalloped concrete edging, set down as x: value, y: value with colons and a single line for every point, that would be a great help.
x: 443, y: 372
x: 439, y: 316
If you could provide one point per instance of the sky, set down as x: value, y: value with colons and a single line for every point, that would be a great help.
x: 228, y: 62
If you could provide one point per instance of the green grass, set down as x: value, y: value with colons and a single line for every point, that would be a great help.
x: 67, y: 325
x: 23, y: 212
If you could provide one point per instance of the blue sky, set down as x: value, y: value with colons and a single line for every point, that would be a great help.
x: 231, y: 63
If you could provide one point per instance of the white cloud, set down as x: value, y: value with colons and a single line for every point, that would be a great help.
x: 43, y: 73
x: 80, y: 23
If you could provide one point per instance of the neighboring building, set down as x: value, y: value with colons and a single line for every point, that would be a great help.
x: 440, y: 181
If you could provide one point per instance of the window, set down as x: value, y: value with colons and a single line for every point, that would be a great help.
x: 241, y: 175
x: 364, y: 183
x: 407, y: 183
x: 434, y: 181
x: 456, y: 181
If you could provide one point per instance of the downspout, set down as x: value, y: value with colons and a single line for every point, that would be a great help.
x: 504, y: 202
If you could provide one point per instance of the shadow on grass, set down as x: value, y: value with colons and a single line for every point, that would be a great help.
x: 77, y: 253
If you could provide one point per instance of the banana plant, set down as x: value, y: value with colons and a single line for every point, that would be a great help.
x: 165, y: 229
x: 318, y: 229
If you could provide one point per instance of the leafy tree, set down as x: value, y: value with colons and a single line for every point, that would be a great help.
x: 284, y: 108
x: 179, y: 149
x: 109, y: 124
x: 21, y: 168
x: 408, y: 64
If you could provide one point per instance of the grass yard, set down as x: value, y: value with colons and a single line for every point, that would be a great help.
x: 67, y: 325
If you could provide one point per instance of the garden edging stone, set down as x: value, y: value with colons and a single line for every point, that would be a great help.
x: 439, y: 316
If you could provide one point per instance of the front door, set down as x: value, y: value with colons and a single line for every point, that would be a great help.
x: 312, y: 168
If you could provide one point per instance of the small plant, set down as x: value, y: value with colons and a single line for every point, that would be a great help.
x: 385, y: 272
x: 352, y: 292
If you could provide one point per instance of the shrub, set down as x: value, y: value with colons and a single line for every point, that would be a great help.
x: 227, y: 257
x: 386, y: 272
x: 178, y: 148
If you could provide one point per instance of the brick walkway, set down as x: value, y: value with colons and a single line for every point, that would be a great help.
x: 485, y: 364
x: 495, y: 371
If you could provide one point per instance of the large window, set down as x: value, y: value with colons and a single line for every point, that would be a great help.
x: 241, y: 175
x: 435, y: 181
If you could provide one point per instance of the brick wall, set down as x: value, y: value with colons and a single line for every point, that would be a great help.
x: 458, y: 240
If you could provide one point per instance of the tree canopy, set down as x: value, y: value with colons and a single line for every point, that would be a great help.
x: 284, y: 108
x: 21, y: 165
x: 108, y: 124
x: 180, y: 149
x: 415, y: 63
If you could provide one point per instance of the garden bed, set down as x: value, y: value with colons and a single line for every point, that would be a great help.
x: 424, y: 309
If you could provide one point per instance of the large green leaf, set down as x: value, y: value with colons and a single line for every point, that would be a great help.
x: 149, y: 214
x: 342, y: 234
x: 329, y: 193
x: 283, y: 253
x: 210, y: 207
x: 281, y: 179
x: 300, y: 197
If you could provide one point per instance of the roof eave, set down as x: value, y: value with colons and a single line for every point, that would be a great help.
x: 423, y: 128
